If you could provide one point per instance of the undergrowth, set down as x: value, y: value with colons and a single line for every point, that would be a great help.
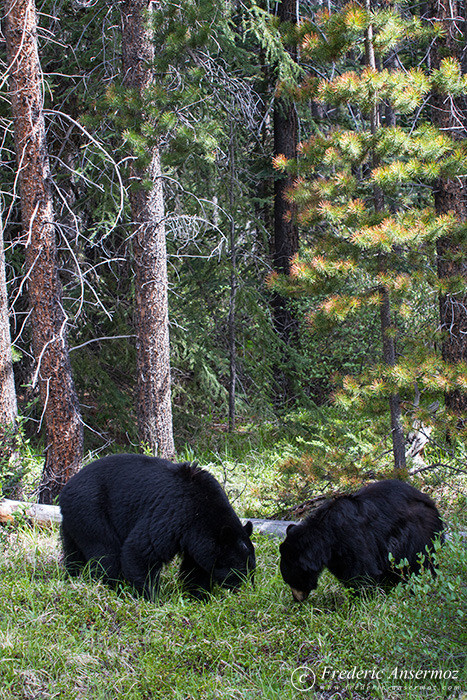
x: 70, y: 639
x: 77, y: 639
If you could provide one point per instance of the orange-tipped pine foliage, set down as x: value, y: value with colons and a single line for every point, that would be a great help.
x: 364, y: 192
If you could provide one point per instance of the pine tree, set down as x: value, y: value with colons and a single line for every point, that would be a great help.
x: 60, y: 408
x: 154, y: 408
x: 361, y: 189
x: 449, y: 113
x: 204, y: 110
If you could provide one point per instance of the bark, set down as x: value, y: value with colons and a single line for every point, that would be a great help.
x: 154, y: 410
x: 60, y: 409
x: 233, y: 287
x: 8, y: 409
x: 451, y: 196
x: 286, y: 239
x: 389, y: 357
x: 387, y: 328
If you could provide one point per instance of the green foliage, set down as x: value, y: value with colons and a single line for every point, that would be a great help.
x: 104, y: 382
x: 206, y: 71
x: 448, y: 79
x: 272, y: 36
x: 9, y: 473
x: 20, y: 466
x: 340, y: 448
x: 215, y: 69
x: 404, y: 90
x: 364, y: 196
x: 332, y: 37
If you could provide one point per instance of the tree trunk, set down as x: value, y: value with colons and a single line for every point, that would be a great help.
x: 285, y: 143
x: 450, y: 196
x: 285, y: 230
x: 233, y: 286
x: 154, y: 410
x: 389, y: 357
x: 60, y: 409
x: 387, y: 328
x: 8, y: 409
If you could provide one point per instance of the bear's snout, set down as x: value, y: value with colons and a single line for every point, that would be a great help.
x: 298, y: 596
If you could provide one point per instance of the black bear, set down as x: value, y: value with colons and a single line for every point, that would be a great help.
x: 354, y: 535
x: 129, y: 514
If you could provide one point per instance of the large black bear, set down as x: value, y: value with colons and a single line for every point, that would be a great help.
x: 353, y: 536
x: 129, y: 514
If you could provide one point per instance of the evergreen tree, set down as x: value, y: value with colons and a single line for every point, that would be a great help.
x: 449, y: 113
x: 60, y: 408
x: 361, y: 189
x: 154, y: 407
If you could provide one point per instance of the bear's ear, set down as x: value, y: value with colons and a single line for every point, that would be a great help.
x: 190, y: 470
x: 290, y: 528
x: 248, y: 527
x: 226, y: 535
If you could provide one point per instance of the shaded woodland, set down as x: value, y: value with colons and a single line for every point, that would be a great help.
x: 229, y: 212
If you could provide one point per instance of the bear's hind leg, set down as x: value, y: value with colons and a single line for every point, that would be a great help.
x: 104, y: 565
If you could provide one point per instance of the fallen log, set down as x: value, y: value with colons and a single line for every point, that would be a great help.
x: 47, y: 515
x: 33, y: 511
x: 51, y: 514
x: 273, y: 528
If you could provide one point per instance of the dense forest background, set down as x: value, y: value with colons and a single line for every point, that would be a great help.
x: 278, y: 187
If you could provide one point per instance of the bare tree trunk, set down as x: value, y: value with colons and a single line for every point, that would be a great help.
x: 285, y: 230
x: 387, y: 328
x: 8, y: 408
x: 154, y: 409
x: 61, y: 413
x: 389, y: 356
x: 449, y: 115
x: 233, y: 287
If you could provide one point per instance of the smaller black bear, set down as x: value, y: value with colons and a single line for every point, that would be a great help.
x: 129, y: 514
x: 353, y: 536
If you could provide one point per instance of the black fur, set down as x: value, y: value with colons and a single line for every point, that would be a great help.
x: 353, y: 535
x: 129, y: 514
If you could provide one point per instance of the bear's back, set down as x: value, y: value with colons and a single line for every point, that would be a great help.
x: 122, y: 475
x: 124, y: 488
x: 376, y: 506
x: 392, y: 495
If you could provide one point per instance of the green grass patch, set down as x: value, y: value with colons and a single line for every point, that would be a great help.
x: 77, y: 639
x: 62, y: 638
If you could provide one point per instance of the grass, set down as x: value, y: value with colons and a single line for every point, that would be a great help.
x: 77, y: 639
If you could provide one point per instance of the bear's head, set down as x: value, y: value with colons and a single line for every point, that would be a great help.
x: 300, y: 567
x: 235, y: 560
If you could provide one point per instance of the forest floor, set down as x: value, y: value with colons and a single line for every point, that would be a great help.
x: 77, y: 639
